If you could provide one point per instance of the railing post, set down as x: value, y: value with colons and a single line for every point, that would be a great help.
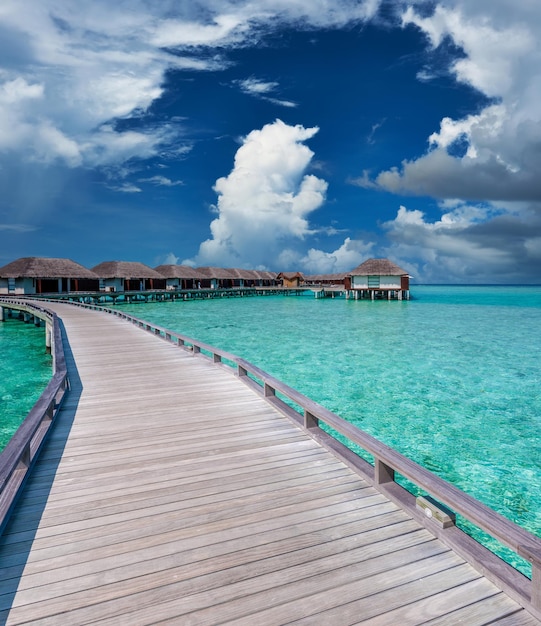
x: 25, y: 459
x: 48, y: 336
x: 383, y: 473
x: 533, y: 555
x: 311, y: 422
x: 536, y: 585
x: 268, y: 391
x: 49, y: 413
x: 242, y: 371
x: 216, y: 358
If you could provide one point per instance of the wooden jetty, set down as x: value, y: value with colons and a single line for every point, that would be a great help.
x: 176, y: 486
x: 169, y: 295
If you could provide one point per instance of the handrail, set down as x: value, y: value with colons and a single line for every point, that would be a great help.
x: 387, y: 461
x: 21, y: 451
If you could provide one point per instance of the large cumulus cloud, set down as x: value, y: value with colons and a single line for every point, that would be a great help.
x: 265, y: 201
x: 500, y: 144
x: 470, y: 243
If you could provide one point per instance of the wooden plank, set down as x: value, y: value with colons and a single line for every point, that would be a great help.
x: 392, y: 588
x: 170, y: 492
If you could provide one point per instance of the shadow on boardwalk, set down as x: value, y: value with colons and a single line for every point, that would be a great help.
x: 16, y: 543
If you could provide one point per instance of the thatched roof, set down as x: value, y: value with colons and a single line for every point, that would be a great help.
x: 177, y: 271
x: 325, y: 277
x: 265, y: 275
x: 125, y: 269
x: 290, y: 275
x: 214, y: 272
x: 244, y: 274
x: 378, y: 267
x: 42, y: 267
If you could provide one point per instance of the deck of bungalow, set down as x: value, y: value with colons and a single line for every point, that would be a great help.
x: 168, y: 491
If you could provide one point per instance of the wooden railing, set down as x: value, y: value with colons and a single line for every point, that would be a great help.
x: 23, y: 448
x: 443, y: 499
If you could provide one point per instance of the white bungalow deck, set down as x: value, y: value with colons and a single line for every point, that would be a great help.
x: 170, y: 493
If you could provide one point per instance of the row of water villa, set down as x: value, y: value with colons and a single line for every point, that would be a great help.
x: 372, y: 279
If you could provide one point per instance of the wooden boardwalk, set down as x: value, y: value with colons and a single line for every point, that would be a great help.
x: 170, y: 493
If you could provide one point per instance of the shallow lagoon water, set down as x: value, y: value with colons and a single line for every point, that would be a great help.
x: 451, y: 378
x: 25, y: 370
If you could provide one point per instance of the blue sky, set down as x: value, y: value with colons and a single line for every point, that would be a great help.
x: 287, y: 135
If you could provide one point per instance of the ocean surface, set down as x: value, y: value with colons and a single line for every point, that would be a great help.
x: 25, y: 370
x: 450, y: 378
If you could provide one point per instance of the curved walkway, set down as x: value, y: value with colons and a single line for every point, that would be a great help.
x: 170, y: 493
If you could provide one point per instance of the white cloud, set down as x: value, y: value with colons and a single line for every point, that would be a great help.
x: 500, y: 41
x: 107, y: 146
x: 262, y: 89
x: 126, y: 188
x: 224, y: 28
x: 349, y: 255
x: 492, y: 49
x: 92, y: 63
x: 51, y: 143
x: 229, y: 22
x: 18, y: 90
x: 167, y: 259
x: 256, y: 87
x: 469, y: 243
x: 18, y: 228
x: 161, y: 181
x: 265, y: 201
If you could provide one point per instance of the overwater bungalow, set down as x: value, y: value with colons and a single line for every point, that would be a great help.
x: 268, y: 279
x: 215, y: 277
x: 245, y: 278
x: 290, y: 280
x: 326, y: 279
x: 378, y: 279
x: 127, y: 276
x: 40, y: 275
x: 178, y: 276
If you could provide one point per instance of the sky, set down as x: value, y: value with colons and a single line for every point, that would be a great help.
x: 288, y: 135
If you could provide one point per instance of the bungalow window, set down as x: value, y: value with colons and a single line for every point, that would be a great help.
x: 11, y: 285
x: 373, y: 282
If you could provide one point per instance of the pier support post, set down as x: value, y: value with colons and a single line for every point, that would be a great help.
x: 1, y: 313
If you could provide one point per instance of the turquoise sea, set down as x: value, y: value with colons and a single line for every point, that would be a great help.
x: 451, y: 378
x: 25, y: 370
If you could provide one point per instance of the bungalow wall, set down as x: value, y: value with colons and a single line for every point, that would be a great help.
x: 376, y: 282
x: 111, y: 284
x: 292, y: 283
x: 17, y: 286
x: 172, y: 284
